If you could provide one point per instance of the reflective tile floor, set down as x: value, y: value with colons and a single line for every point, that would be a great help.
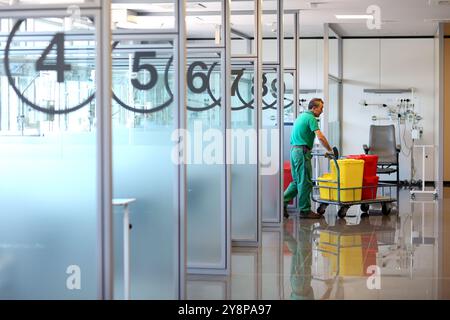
x: 405, y: 255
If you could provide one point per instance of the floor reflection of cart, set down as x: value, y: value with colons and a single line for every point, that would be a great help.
x: 326, y: 192
x: 349, y: 250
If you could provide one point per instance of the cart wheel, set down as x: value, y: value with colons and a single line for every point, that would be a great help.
x: 435, y: 196
x: 364, y: 207
x: 321, y: 209
x: 364, y: 215
x: 342, y: 212
x: 413, y: 196
x: 385, y: 209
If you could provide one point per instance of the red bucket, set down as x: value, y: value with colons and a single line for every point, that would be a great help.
x: 371, y: 192
x: 370, y: 163
x: 287, y: 179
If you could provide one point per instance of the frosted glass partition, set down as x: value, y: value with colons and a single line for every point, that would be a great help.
x: 333, y: 113
x: 48, y: 161
x: 206, y: 237
x: 143, y: 119
x: 288, y: 119
x: 288, y: 112
x: 64, y: 4
x: 244, y: 217
x: 129, y: 15
x: 243, y: 42
x: 334, y: 88
x: 270, y: 148
x: 333, y: 54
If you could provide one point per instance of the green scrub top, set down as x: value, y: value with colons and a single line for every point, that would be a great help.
x: 303, y: 131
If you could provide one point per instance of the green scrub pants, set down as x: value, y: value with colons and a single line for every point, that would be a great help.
x: 301, y: 170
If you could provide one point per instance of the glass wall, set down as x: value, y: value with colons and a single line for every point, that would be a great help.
x: 206, y: 186
x: 48, y: 164
x: 269, y: 136
x: 333, y: 112
x: 244, y: 153
x: 334, y: 88
x: 272, y: 109
x: 143, y: 119
x: 245, y: 122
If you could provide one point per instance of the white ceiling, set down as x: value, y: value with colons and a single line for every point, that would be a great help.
x: 399, y: 17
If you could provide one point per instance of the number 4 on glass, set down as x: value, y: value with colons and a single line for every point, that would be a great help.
x: 60, y: 66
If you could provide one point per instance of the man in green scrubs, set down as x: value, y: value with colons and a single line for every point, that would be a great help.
x: 304, y: 131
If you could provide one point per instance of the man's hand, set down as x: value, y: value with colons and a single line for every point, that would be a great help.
x: 323, y: 140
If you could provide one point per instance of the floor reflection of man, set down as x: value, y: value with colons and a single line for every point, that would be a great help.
x: 300, y: 276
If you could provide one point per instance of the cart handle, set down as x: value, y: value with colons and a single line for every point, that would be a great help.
x: 328, y: 154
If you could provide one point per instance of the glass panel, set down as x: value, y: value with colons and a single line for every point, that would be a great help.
x: 48, y: 243
x: 289, y: 42
x: 289, y: 97
x: 311, y: 70
x: 288, y: 124
x: 333, y: 54
x: 269, y: 32
x: 244, y: 216
x: 204, y: 23
x: 206, y: 214
x: 270, y: 152
x: 242, y: 23
x: 143, y: 119
x: 333, y: 113
x: 56, y: 3
x: 151, y: 14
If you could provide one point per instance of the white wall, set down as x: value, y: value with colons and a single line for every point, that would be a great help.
x: 388, y: 63
x: 311, y: 64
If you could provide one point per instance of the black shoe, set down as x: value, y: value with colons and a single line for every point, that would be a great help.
x: 310, y: 215
x: 285, y: 213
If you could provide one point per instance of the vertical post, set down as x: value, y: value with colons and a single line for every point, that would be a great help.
x: 440, y: 158
x: 280, y: 103
x: 258, y: 109
x: 340, y: 86
x: 296, y: 86
x: 423, y: 167
x: 104, y: 141
x: 180, y: 94
x: 326, y: 64
x: 423, y: 222
x: 227, y: 126
x: 126, y: 252
x: 440, y: 175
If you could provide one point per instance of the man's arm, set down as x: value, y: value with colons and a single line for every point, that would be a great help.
x: 323, y: 140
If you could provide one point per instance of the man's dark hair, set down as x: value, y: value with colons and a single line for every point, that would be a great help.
x: 314, y: 103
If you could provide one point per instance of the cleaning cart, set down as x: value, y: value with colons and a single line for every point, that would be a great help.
x: 344, y: 187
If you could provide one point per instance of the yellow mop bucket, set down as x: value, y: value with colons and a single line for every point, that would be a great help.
x: 330, y: 192
x: 351, y: 176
